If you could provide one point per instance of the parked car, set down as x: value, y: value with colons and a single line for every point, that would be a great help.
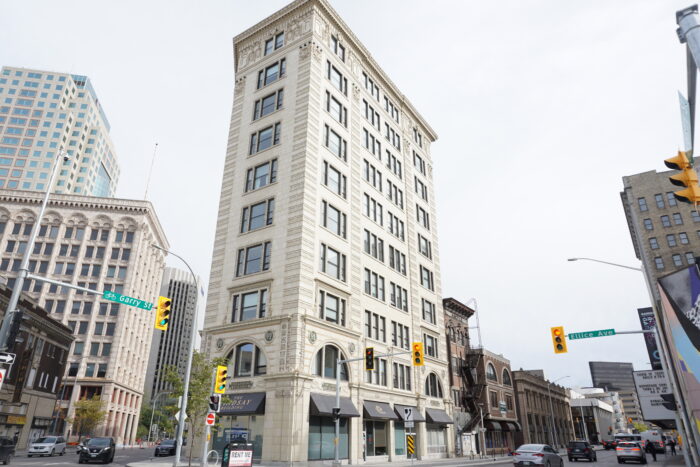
x: 537, y: 454
x: 166, y: 448
x: 47, y: 446
x: 97, y: 449
x: 7, y: 449
x: 581, y: 450
x: 630, y: 451
x: 609, y: 444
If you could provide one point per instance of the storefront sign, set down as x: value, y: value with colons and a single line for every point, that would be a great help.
x: 651, y: 387
x: 240, y: 458
x: 16, y: 419
x: 236, y: 435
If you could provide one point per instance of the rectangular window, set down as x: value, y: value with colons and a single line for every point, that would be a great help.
x: 418, y: 161
x: 337, y: 48
x: 378, y: 375
x: 372, y: 175
x: 391, y: 109
x: 253, y: 259
x: 665, y: 221
x: 392, y: 136
x: 671, y: 199
x: 493, y: 399
x: 677, y: 219
x: 371, y: 115
x: 375, y: 326
x: 642, y: 204
x: 265, y: 138
x: 659, y: 261
x: 395, y: 194
x: 336, y: 78
x: 396, y: 226
x: 261, y: 175
x: 431, y: 345
x: 331, y: 308
x: 336, y: 109
x: 677, y: 261
x: 334, y: 180
x: 332, y: 262
x: 422, y: 217
x: 333, y: 219
x: 690, y: 258
x: 683, y: 237
x: 425, y: 247
x: 372, y: 88
x: 648, y: 225
x: 402, y: 376
x: 373, y: 245
x: 257, y: 215
x: 249, y: 305
x: 374, y: 285
x: 335, y: 143
x: 659, y: 200
x: 421, y: 189
x: 274, y: 43
x: 398, y: 297
x: 268, y: 104
x: 428, y: 311
x: 671, y: 239
x: 397, y: 260
x: 371, y: 143
x: 373, y: 209
x: 653, y: 243
x: 399, y: 335
x: 272, y: 73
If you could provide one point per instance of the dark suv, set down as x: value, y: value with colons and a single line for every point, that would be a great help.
x: 581, y: 450
x: 97, y: 449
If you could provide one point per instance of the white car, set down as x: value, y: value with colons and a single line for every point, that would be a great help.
x: 537, y: 454
x: 47, y: 446
x: 630, y: 451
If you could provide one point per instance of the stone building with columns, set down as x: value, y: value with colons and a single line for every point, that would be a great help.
x: 326, y: 244
x: 103, y: 244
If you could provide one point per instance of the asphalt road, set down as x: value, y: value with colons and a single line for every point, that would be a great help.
x: 608, y: 458
x: 122, y: 457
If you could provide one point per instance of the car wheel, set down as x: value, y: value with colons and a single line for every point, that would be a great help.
x: 29, y: 455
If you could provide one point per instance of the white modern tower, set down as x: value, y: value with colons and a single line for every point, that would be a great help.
x: 326, y: 244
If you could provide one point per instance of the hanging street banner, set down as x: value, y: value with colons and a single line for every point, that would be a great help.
x: 131, y: 301
x: 589, y: 334
x: 648, y: 321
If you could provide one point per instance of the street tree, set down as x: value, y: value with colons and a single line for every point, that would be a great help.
x: 89, y: 413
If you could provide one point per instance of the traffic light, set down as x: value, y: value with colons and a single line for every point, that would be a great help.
x: 369, y: 358
x: 417, y: 353
x: 688, y: 178
x: 163, y: 313
x: 559, y: 339
x: 214, y: 403
x: 336, y: 413
x: 220, y: 379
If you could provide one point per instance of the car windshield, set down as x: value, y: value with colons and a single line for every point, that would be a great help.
x: 48, y: 439
x: 578, y: 444
x: 98, y: 442
x: 627, y: 445
x: 168, y: 442
x: 530, y: 448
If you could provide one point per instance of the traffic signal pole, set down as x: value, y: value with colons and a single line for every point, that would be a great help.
x: 339, y: 364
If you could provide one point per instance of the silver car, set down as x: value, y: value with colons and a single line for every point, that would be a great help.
x: 630, y: 451
x: 537, y: 454
x: 47, y: 446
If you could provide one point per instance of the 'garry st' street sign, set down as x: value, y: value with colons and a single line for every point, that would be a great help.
x: 131, y: 301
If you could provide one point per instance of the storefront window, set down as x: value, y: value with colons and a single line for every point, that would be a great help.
x: 240, y: 429
x: 321, y: 436
x: 376, y: 436
x: 399, y: 439
x: 436, y: 438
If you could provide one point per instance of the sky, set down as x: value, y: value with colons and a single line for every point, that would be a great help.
x: 541, y: 107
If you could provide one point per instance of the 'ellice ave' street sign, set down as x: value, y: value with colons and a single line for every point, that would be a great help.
x: 588, y: 334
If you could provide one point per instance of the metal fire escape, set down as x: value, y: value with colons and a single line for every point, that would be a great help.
x: 474, y: 385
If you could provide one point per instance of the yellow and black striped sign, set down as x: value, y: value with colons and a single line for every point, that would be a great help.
x: 409, y: 443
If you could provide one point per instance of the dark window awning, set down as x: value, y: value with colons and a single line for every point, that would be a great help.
x: 438, y: 416
x: 492, y: 425
x: 378, y: 411
x: 510, y: 426
x: 417, y: 416
x: 252, y: 403
x: 322, y: 404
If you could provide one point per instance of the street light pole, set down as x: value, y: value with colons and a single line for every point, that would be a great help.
x: 150, y: 426
x: 24, y: 266
x: 188, y: 367
x: 551, y: 411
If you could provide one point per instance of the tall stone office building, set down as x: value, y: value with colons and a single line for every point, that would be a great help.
x: 617, y: 376
x: 326, y: 244
x: 42, y: 111
x: 170, y: 348
x: 101, y: 244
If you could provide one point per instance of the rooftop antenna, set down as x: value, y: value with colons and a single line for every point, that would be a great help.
x: 148, y: 181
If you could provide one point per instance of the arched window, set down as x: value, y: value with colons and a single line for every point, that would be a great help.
x: 433, y: 388
x: 325, y: 363
x: 248, y: 360
x: 506, y: 378
x: 491, y: 373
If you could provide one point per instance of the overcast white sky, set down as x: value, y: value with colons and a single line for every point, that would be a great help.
x: 540, y: 107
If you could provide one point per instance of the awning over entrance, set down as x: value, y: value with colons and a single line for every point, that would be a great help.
x: 510, y: 426
x: 417, y: 416
x: 378, y: 411
x: 252, y: 403
x: 438, y: 416
x: 492, y: 425
x: 322, y: 404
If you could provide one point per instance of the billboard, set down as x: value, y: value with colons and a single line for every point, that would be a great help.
x: 648, y: 321
x: 651, y: 386
x: 680, y: 304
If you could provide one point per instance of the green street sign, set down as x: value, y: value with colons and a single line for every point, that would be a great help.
x: 589, y: 334
x: 131, y: 301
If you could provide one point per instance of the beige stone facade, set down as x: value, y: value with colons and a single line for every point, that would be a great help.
x: 101, y: 244
x: 324, y: 257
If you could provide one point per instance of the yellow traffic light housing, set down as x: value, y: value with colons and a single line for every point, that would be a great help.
x: 163, y: 313
x: 559, y: 339
x: 688, y: 178
x: 369, y: 358
x: 220, y: 379
x: 417, y: 350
